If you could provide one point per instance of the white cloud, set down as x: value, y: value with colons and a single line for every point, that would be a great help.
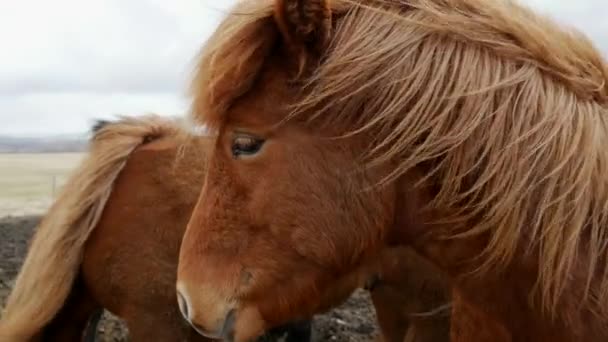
x: 61, y: 113
x: 65, y: 62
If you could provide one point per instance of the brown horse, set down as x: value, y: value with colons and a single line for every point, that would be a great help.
x: 130, y: 256
x: 111, y: 240
x: 473, y: 130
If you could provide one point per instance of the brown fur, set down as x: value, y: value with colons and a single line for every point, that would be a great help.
x: 470, y: 324
x: 483, y: 133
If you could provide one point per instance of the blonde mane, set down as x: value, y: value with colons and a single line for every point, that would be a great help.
x: 54, y: 255
x: 509, y: 110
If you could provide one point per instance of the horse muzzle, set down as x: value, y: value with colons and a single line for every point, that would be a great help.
x: 210, y: 317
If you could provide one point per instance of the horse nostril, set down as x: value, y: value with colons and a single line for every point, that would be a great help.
x: 228, y: 328
x: 183, y: 306
x: 226, y: 333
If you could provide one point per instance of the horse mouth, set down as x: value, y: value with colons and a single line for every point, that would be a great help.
x: 225, y: 333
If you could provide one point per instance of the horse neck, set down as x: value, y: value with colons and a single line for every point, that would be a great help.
x: 501, y: 294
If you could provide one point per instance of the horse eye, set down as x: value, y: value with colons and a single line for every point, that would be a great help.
x: 246, y: 145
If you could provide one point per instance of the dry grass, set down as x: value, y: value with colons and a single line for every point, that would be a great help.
x: 26, y: 180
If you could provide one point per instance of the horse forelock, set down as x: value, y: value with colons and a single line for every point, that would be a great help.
x: 230, y: 60
x: 509, y: 109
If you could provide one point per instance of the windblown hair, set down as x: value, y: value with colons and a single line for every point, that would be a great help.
x: 55, y: 253
x: 507, y: 110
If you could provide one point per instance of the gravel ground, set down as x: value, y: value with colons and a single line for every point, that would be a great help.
x: 353, y: 321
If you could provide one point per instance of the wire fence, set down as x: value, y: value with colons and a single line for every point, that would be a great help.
x: 31, y: 197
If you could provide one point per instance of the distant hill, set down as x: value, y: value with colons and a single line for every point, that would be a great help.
x: 56, y: 144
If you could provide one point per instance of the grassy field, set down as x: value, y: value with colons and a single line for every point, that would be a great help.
x: 28, y: 181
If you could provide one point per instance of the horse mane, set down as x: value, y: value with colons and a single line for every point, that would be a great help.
x: 55, y: 252
x: 99, y: 125
x: 506, y: 108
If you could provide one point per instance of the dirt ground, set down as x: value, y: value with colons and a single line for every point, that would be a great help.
x: 353, y: 321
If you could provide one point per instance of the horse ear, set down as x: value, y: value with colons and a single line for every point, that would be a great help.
x: 305, y: 26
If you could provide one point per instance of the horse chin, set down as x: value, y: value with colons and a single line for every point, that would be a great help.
x: 249, y: 325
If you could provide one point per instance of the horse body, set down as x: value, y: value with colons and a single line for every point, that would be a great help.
x: 130, y: 258
x: 49, y: 292
x: 473, y: 130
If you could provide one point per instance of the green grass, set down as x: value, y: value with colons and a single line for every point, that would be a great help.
x: 28, y: 178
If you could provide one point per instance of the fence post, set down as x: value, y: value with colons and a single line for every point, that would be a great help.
x: 54, y: 186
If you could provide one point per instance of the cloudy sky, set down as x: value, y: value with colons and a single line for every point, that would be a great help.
x: 65, y: 62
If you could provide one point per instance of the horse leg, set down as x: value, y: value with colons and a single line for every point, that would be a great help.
x: 406, y: 292
x: 468, y: 323
x: 392, y: 321
x: 72, y: 320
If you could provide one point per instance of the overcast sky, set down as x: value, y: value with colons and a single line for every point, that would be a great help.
x: 65, y: 62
